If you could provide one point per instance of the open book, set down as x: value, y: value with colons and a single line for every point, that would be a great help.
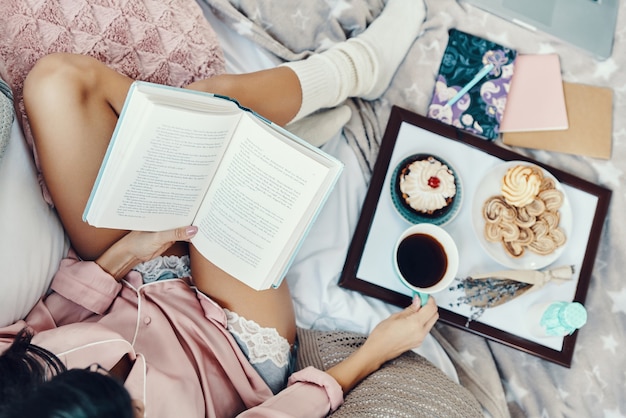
x: 180, y: 157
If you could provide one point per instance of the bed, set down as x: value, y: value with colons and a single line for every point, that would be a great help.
x: 507, y: 382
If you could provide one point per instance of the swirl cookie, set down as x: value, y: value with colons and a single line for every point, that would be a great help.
x: 521, y: 184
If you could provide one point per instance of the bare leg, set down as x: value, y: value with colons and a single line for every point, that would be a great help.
x: 269, y: 308
x: 274, y: 93
x: 73, y: 103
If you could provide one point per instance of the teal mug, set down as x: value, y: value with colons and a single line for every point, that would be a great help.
x: 426, y: 259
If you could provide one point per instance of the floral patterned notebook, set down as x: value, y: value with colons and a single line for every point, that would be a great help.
x: 480, y: 109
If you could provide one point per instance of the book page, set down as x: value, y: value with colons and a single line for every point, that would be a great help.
x: 174, y: 154
x: 256, y: 203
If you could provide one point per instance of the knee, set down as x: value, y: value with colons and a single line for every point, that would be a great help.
x: 56, y: 75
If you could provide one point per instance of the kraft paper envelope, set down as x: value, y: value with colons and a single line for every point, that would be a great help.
x: 590, y: 117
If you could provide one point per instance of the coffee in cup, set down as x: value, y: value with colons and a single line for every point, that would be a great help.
x: 426, y: 259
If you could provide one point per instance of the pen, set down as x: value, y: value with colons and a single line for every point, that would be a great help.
x: 482, y: 73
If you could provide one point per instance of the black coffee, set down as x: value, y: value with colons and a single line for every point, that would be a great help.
x: 422, y: 260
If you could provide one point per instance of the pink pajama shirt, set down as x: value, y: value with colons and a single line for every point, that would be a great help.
x: 186, y: 362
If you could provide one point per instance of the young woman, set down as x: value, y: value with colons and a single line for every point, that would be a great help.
x: 207, y: 346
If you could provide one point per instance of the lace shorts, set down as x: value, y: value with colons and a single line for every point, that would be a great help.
x: 267, y: 351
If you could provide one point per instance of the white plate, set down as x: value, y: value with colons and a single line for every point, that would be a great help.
x: 489, y: 186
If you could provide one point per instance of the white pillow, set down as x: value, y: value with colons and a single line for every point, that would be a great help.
x: 32, y: 240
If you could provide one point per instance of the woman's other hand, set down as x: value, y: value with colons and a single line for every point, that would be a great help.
x: 401, y: 332
x: 137, y: 247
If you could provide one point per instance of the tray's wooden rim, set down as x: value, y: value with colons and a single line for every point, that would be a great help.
x: 348, y: 277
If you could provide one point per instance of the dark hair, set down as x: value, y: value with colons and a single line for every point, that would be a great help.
x: 76, y: 393
x: 23, y: 366
x: 34, y: 383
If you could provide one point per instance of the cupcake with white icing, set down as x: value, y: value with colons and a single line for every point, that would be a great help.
x: 427, y: 186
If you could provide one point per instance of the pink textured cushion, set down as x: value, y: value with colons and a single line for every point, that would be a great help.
x: 162, y: 41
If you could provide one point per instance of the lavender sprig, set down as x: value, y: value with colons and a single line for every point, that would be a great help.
x: 482, y: 294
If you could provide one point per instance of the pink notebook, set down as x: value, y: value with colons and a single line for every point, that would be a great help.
x: 536, y: 101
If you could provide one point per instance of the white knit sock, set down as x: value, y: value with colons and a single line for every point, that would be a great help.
x: 362, y: 66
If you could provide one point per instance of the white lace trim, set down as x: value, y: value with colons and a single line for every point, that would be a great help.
x: 262, y: 343
x: 164, y: 267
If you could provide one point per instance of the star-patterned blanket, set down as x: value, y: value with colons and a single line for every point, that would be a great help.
x: 509, y: 382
